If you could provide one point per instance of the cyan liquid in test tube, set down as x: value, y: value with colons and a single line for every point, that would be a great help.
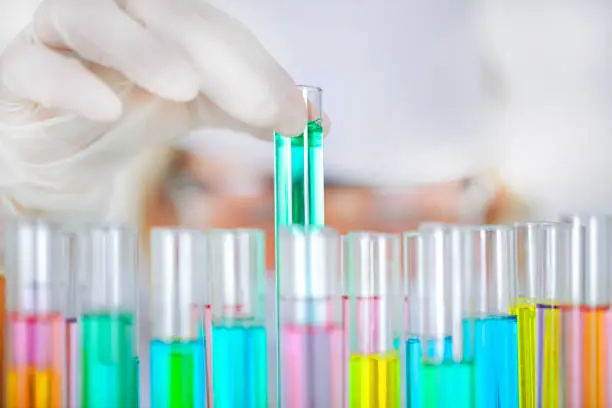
x: 299, y: 168
x: 240, y: 357
x: 373, y: 305
x: 312, y: 372
x: 179, y: 303
x: 109, y: 366
x: 439, y: 368
x: 37, y: 282
x: 490, y: 318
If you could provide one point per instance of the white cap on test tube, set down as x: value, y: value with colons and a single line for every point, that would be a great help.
x: 178, y: 281
x: 110, y: 272
x: 237, y: 273
x: 36, y: 272
x: 309, y: 275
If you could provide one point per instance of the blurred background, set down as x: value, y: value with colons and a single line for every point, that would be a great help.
x: 442, y: 110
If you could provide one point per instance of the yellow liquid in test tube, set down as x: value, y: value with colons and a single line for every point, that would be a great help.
x: 34, y: 389
x: 525, y: 311
x: 551, y: 317
x: 374, y: 381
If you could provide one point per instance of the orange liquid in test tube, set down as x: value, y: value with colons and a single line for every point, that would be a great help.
x: 34, y: 374
x: 596, y: 349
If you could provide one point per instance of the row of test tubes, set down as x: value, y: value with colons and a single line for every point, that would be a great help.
x: 448, y: 315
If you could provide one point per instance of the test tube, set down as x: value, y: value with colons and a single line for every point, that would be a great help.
x: 571, y: 298
x: 299, y: 168
x: 311, y: 332
x: 529, y: 244
x: 179, y: 307
x: 555, y: 260
x: 439, y: 354
x: 36, y: 326
x: 596, y: 314
x: 489, y: 252
x: 238, y: 329
x: 373, y: 308
x: 76, y: 249
x: 411, y: 252
x: 109, y: 364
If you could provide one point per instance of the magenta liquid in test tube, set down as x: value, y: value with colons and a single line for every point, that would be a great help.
x: 36, y: 305
x: 310, y: 318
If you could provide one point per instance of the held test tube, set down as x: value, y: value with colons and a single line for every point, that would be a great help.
x: 238, y: 332
x: 107, y: 319
x: 299, y: 168
x: 595, y: 312
x: 179, y: 307
x: 439, y: 349
x: 311, y: 333
x: 489, y: 258
x: 36, y: 326
x: 372, y: 316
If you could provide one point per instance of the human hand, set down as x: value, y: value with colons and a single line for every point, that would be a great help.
x: 92, y: 83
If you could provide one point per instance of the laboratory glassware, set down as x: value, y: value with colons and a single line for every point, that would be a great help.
x: 36, y: 304
x: 373, y: 305
x: 312, y: 370
x: 107, y: 314
x: 240, y: 358
x: 179, y: 310
x: 440, y: 349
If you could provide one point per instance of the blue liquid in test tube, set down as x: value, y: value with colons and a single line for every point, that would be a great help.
x: 489, y: 253
x: 179, y: 305
x: 238, y: 331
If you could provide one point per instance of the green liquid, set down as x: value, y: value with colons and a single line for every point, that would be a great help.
x: 110, y: 372
x: 299, y: 177
x: 448, y: 384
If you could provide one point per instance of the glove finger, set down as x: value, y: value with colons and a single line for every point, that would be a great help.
x: 99, y: 31
x: 236, y: 72
x: 64, y: 83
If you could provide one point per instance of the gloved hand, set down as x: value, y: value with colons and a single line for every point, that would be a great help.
x: 90, y: 84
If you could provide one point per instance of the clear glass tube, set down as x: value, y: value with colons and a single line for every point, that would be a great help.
x: 594, y: 318
x: 489, y: 256
x: 37, y: 282
x: 108, y: 317
x: 411, y: 262
x: 439, y: 356
x: 238, y: 331
x: 310, y: 318
x: 179, y: 300
x: 570, y: 298
x: 299, y: 168
x: 530, y: 251
x: 373, y: 308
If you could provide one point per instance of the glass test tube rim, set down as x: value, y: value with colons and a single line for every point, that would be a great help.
x: 216, y: 241
x: 173, y: 312
x: 395, y: 242
x: 57, y: 238
x: 594, y: 295
x: 313, y: 88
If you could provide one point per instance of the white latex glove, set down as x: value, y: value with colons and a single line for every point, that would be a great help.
x: 89, y: 84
